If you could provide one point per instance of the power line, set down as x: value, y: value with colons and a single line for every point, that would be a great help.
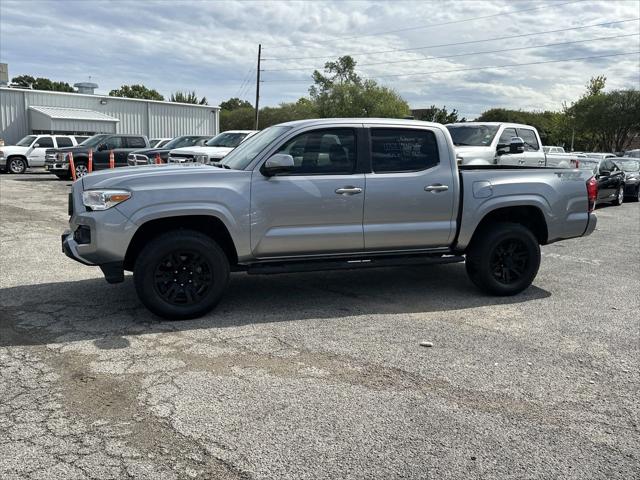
x: 246, y: 77
x: 431, y: 25
x: 478, y: 68
x: 509, y: 37
x: 466, y: 54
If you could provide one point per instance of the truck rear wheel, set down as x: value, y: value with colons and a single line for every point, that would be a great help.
x: 181, y: 274
x: 503, y: 259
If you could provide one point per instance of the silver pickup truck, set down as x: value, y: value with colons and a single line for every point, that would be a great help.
x: 318, y: 195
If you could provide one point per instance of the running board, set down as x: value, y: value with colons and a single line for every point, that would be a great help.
x: 348, y: 264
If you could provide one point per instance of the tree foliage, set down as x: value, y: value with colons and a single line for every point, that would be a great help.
x: 550, y: 125
x: 439, y: 115
x: 234, y: 104
x: 40, y: 83
x: 188, y: 97
x: 136, y: 91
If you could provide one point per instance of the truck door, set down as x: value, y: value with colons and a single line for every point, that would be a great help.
x: 502, y: 149
x: 533, y: 153
x: 410, y: 194
x: 39, y: 147
x: 316, y: 208
x: 101, y: 155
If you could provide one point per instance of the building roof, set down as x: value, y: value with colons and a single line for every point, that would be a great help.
x: 63, y: 113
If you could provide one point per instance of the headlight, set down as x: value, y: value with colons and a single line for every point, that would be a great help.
x: 201, y: 158
x: 104, y: 199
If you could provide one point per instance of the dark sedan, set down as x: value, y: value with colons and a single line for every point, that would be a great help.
x: 631, y: 168
x: 610, y: 179
x: 148, y: 155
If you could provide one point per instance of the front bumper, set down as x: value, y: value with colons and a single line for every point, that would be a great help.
x: 3, y: 162
x: 631, y: 188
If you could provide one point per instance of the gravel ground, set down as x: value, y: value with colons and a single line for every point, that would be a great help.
x: 318, y: 375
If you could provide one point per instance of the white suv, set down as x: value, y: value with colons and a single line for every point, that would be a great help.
x: 212, y: 151
x: 30, y: 151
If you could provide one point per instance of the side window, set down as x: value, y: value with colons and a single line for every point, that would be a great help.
x: 328, y: 152
x: 507, y: 135
x: 45, y: 142
x: 114, y: 142
x: 530, y: 140
x: 136, y: 142
x: 609, y: 165
x: 403, y: 150
x: 64, y: 142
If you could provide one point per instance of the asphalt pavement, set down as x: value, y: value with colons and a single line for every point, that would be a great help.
x: 318, y: 375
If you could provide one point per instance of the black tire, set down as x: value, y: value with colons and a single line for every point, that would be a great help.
x: 503, y: 258
x: 195, y: 286
x: 619, y: 196
x: 636, y: 196
x: 16, y: 165
x: 62, y: 176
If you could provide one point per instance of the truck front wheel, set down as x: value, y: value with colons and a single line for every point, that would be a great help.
x: 181, y: 274
x: 503, y: 258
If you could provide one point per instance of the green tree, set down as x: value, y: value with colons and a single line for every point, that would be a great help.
x: 234, y: 104
x: 243, y: 118
x: 340, y: 92
x: 596, y: 85
x: 439, y: 115
x: 40, y: 83
x: 188, y: 97
x: 136, y: 91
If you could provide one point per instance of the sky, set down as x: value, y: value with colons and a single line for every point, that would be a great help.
x: 442, y: 53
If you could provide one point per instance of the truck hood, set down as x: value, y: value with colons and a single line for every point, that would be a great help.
x: 216, y: 152
x: 13, y: 150
x: 477, y: 155
x: 129, y: 177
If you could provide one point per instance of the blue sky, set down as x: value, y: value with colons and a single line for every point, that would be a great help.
x: 211, y: 47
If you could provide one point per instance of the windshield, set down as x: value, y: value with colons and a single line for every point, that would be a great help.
x: 472, y: 135
x: 179, y: 142
x: 94, y: 141
x: 629, y: 165
x: 26, y: 141
x: 242, y: 156
x: 226, y: 139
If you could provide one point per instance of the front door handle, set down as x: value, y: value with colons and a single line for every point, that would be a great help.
x: 348, y: 190
x: 436, y: 188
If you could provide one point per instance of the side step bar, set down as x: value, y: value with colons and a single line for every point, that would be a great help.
x: 348, y: 264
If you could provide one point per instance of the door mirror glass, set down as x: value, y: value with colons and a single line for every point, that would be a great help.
x: 36, y: 145
x: 102, y: 146
x: 279, y: 163
x: 516, y: 145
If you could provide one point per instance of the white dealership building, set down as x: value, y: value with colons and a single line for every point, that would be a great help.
x: 24, y: 112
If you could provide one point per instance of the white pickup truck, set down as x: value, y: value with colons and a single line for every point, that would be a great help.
x: 489, y: 143
x: 30, y: 151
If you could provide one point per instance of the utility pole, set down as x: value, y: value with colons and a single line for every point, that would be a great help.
x: 258, y: 86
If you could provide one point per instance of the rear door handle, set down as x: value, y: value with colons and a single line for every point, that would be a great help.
x: 436, y: 188
x: 348, y: 190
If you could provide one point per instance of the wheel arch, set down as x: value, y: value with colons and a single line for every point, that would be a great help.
x: 18, y: 155
x: 528, y: 216
x: 209, y: 225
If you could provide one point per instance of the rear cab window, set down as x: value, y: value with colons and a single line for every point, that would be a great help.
x: 395, y: 150
x: 64, y: 142
x: 135, y: 142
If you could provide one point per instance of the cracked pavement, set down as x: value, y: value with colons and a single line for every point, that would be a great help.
x: 318, y: 375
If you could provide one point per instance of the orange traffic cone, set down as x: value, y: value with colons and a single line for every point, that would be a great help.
x: 90, y: 166
x: 112, y: 161
x: 158, y: 159
x: 72, y: 166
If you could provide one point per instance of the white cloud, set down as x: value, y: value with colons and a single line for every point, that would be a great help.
x: 211, y: 46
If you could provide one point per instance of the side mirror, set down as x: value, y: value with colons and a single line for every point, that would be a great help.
x: 36, y: 145
x: 102, y: 146
x: 605, y: 173
x: 516, y: 145
x: 279, y: 163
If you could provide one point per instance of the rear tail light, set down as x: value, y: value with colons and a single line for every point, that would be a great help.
x: 592, y: 192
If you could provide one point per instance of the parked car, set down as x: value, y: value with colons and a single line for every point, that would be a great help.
x: 487, y: 143
x: 631, y: 168
x: 158, y: 142
x: 317, y: 195
x: 148, y: 156
x: 610, y: 179
x: 30, y: 151
x: 633, y: 153
x: 600, y: 155
x: 212, y: 151
x: 57, y: 160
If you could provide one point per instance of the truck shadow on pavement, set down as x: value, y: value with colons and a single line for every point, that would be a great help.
x: 94, y: 310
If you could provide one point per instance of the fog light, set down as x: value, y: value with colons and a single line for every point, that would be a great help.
x: 82, y: 235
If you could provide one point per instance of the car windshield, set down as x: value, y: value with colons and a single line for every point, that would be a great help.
x: 26, y: 141
x: 94, y: 141
x: 179, y: 142
x: 472, y: 135
x: 629, y: 165
x: 226, y: 139
x: 242, y: 156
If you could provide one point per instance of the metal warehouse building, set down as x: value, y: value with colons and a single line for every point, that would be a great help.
x: 23, y: 112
